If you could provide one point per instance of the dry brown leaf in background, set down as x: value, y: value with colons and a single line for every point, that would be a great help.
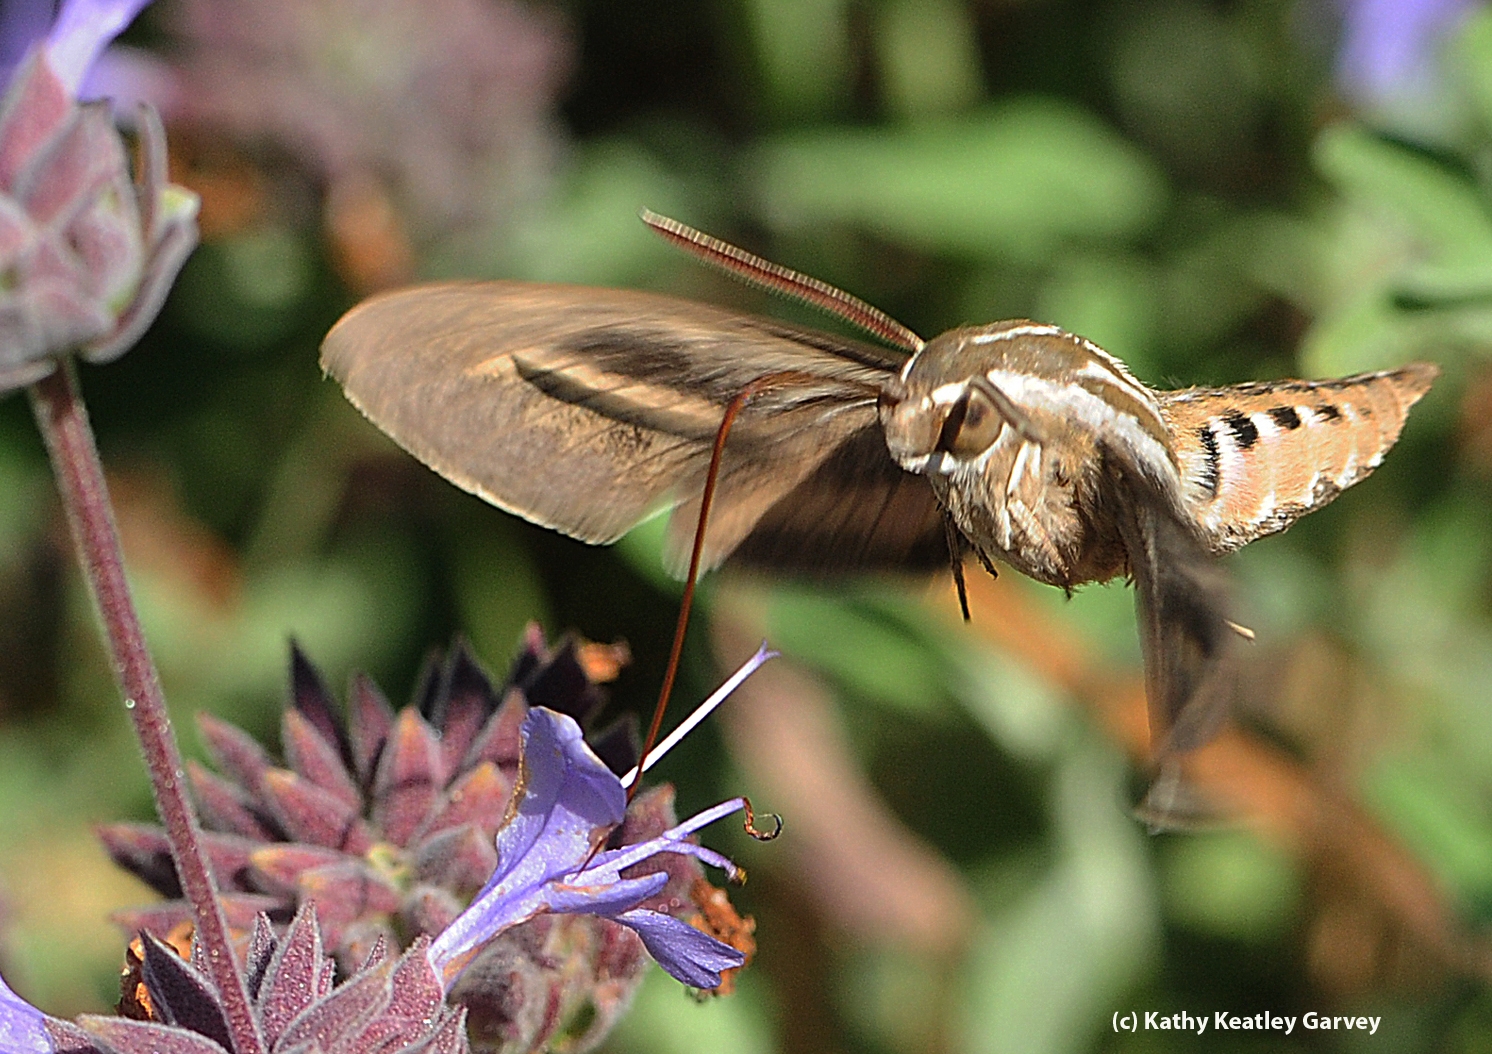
x: 369, y: 244
x: 162, y: 540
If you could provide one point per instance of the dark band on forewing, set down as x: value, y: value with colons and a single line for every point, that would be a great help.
x: 696, y: 418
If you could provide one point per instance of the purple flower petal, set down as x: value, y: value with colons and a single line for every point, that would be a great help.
x: 671, y: 841
x: 1389, y: 50
x: 24, y: 23
x: 693, y: 957
x: 566, y: 801
x: 82, y: 30
x: 567, y: 795
x: 606, y: 900
x: 22, y: 1026
x: 129, y: 77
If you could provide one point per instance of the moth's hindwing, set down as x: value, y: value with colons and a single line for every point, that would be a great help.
x: 586, y: 409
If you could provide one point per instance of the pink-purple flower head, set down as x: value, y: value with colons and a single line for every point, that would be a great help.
x: 391, y: 1004
x: 550, y: 860
x: 87, y: 251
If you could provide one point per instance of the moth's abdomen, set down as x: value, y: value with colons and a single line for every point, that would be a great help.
x: 1254, y: 458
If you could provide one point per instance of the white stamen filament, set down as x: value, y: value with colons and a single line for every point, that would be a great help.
x: 700, y: 713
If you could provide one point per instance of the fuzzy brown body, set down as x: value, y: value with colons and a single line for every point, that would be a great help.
x: 1234, y: 463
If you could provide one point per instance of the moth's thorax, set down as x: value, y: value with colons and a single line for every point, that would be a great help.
x: 1010, y: 422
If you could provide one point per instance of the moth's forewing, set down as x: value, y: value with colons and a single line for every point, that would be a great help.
x: 585, y: 409
x: 1182, y: 611
x: 1181, y: 597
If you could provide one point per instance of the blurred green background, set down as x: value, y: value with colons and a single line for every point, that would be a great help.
x: 1214, y: 191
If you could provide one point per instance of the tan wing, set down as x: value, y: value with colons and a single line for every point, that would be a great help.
x: 586, y: 409
x: 1257, y: 457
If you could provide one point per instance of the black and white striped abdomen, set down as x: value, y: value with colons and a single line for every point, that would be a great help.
x: 1256, y: 457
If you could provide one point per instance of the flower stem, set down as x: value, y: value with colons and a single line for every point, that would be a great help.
x: 63, y: 420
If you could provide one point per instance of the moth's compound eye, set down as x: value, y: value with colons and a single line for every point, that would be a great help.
x: 971, y: 426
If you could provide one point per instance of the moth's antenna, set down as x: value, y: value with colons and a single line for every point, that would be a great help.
x: 778, y: 279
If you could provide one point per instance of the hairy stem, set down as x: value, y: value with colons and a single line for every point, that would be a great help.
x: 63, y: 421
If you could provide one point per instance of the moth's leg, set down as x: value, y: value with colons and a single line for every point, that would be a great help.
x: 1017, y: 417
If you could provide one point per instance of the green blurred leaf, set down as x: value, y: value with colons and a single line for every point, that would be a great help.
x: 1231, y: 885
x: 1022, y: 712
x: 497, y: 588
x: 1017, y: 179
x: 929, y: 57
x: 1186, y: 80
x: 1111, y: 300
x: 247, y: 290
x: 893, y: 999
x: 803, y: 55
x: 1433, y: 813
x: 665, y: 1020
x: 868, y: 653
x: 1284, y: 590
x: 23, y: 501
x: 1102, y: 616
x: 1045, y: 975
x: 1471, y: 62
x: 1362, y: 333
x: 1423, y: 618
x: 588, y: 231
x: 1444, y: 212
x: 642, y: 547
x: 351, y: 609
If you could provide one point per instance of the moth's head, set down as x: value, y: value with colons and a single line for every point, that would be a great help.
x: 937, y: 429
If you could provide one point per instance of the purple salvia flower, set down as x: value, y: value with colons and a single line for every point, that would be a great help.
x: 87, y: 252
x: 73, y: 40
x: 1389, y: 50
x: 22, y: 1026
x: 24, y: 23
x: 548, y: 860
x: 82, y: 30
x: 387, y: 821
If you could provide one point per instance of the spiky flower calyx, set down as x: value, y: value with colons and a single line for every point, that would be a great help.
x: 386, y: 821
x: 392, y: 1005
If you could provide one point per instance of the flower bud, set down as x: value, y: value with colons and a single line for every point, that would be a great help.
x: 87, y: 253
